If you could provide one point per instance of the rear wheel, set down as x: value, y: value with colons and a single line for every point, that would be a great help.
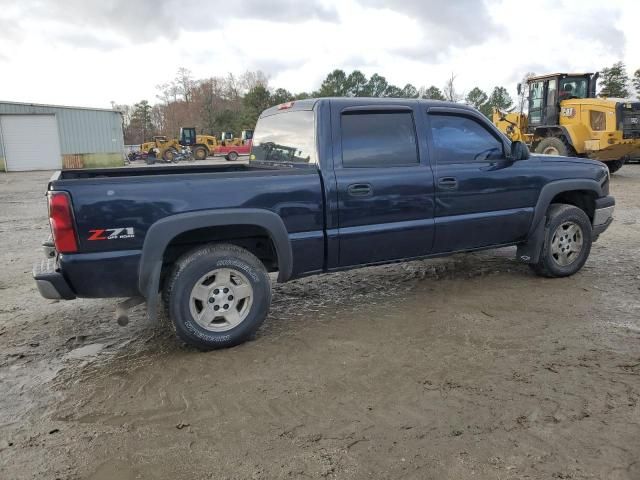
x: 567, y: 243
x: 232, y: 156
x: 553, y: 146
x: 615, y: 165
x: 217, y: 296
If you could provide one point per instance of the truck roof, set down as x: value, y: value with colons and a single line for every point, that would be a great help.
x: 310, y: 103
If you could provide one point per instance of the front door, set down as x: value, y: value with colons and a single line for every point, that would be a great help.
x: 385, y: 192
x: 482, y: 197
x: 536, y: 104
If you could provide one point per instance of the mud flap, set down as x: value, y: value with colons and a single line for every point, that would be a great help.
x: 529, y: 252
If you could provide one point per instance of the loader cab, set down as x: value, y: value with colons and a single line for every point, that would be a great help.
x: 226, y: 138
x: 187, y: 136
x: 246, y: 136
x: 546, y: 93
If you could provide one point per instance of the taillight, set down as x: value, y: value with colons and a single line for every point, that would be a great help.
x: 61, y: 220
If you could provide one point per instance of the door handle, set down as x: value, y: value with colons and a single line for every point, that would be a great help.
x: 448, y: 182
x: 359, y: 190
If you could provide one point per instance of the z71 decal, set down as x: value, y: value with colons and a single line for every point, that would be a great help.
x: 111, y: 233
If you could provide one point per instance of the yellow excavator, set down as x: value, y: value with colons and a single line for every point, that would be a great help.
x: 566, y: 118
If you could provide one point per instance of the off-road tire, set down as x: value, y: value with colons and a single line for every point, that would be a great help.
x: 170, y: 154
x: 185, y: 274
x: 554, y: 143
x: 200, y: 153
x: 615, y: 165
x: 557, y: 215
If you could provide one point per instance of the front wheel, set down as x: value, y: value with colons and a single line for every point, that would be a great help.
x: 217, y: 296
x: 170, y: 154
x: 553, y: 146
x: 232, y: 156
x: 567, y: 242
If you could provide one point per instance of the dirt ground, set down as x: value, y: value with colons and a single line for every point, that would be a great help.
x: 466, y: 367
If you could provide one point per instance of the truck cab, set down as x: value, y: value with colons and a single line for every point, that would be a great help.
x: 547, y: 93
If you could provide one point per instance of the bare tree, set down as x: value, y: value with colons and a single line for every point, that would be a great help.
x: 449, y: 90
x: 524, y: 90
x: 184, y: 83
x: 249, y: 80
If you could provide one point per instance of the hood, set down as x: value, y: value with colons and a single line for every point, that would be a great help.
x: 556, y: 158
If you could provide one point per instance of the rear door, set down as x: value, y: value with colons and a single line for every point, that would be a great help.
x: 482, y: 197
x: 384, y: 186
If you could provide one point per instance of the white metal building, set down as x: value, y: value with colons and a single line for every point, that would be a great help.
x: 49, y: 137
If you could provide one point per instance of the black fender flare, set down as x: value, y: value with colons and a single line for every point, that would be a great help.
x: 163, y: 231
x: 529, y: 252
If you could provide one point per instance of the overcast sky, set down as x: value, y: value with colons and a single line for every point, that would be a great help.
x: 88, y: 53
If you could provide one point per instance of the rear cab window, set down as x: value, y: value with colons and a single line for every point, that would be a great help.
x: 285, y: 140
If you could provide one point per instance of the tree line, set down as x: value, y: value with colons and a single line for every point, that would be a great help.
x: 234, y: 102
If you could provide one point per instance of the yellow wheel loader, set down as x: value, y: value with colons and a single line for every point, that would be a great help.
x: 147, y: 147
x: 161, y: 147
x: 202, y: 146
x: 566, y: 118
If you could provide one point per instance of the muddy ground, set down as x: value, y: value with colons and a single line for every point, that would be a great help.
x: 466, y: 367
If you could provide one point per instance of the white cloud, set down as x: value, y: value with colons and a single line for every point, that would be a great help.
x: 92, y: 55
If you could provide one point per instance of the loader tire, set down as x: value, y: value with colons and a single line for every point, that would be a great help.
x: 615, y: 165
x: 553, y: 146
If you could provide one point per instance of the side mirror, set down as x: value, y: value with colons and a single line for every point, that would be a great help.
x: 519, y: 151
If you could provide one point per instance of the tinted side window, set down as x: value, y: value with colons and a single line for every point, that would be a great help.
x: 458, y: 139
x: 285, y: 139
x: 378, y: 139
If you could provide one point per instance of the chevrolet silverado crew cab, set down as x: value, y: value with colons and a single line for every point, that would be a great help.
x: 331, y: 184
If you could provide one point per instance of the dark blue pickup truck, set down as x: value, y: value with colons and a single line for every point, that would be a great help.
x: 331, y: 184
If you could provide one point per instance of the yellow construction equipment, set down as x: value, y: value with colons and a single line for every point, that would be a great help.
x: 566, y: 118
x: 202, y: 146
x: 147, y: 146
x: 161, y: 147
x: 227, y: 139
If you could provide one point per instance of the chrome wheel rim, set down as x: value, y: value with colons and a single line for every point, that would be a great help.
x: 221, y: 300
x: 566, y: 243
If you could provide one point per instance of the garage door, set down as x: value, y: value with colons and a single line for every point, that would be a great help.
x: 30, y: 142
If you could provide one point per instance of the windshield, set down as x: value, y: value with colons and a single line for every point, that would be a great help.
x: 285, y: 138
x: 572, y: 87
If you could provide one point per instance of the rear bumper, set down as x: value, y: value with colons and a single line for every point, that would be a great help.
x: 603, y: 214
x: 50, y: 281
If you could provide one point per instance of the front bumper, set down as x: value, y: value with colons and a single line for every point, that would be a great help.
x: 50, y: 281
x: 603, y: 214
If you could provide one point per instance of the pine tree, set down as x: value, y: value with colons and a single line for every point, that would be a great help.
x: 614, y: 81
